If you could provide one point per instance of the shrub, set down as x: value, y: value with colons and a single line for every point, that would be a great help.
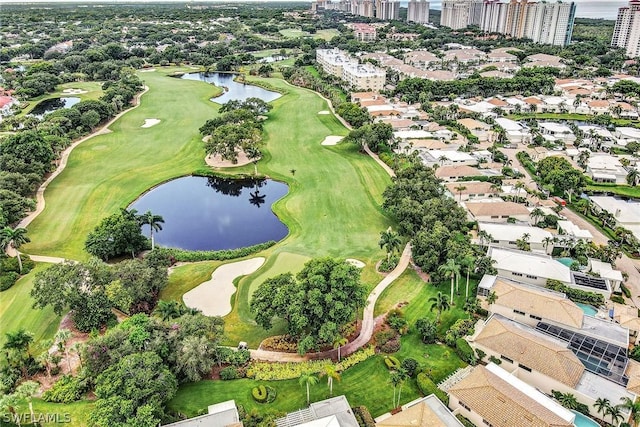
x: 427, y: 329
x: 495, y: 360
x: 281, y: 343
x: 481, y: 354
x: 233, y: 357
x: 8, y: 279
x: 222, y: 255
x: 11, y: 264
x: 395, y: 319
x: 635, y: 353
x: 259, y: 394
x: 617, y: 298
x: 229, y: 373
x: 465, y: 351
x: 66, y: 390
x: 363, y: 416
x: 410, y: 365
x: 392, y: 363
x: 465, y: 421
x: 387, y: 265
x: 391, y: 346
x: 482, y: 312
x: 625, y: 290
x: 428, y: 387
x: 355, y: 358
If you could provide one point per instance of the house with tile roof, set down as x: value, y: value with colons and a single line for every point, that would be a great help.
x: 491, y: 396
x: 528, y: 267
x: 469, y: 190
x: 551, y: 364
x: 529, y: 304
x: 506, y: 235
x: 424, y: 412
x: 496, y: 211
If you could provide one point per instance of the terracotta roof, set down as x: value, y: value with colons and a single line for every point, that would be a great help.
x: 633, y: 372
x: 598, y: 104
x: 545, y: 304
x: 456, y: 171
x: 533, y: 100
x: 420, y: 415
x: 501, y: 404
x: 626, y: 316
x: 471, y: 187
x: 496, y: 208
x: 540, y: 354
x: 473, y: 124
x: 498, y: 102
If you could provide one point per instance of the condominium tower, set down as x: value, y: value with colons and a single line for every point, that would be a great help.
x: 418, y: 11
x: 626, y: 34
x: 387, y: 9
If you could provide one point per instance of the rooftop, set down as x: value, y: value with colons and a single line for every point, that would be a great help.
x: 512, y: 232
x: 425, y: 412
x: 500, y: 208
x: 333, y: 412
x: 529, y: 263
x: 506, y: 401
x: 457, y: 171
x: 537, y: 351
x: 541, y: 302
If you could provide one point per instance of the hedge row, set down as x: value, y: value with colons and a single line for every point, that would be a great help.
x: 393, y: 364
x: 428, y: 387
x: 222, y: 255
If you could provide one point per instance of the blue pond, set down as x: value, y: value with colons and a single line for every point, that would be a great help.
x: 584, y: 421
x: 234, y: 90
x: 211, y: 213
x: 50, y: 105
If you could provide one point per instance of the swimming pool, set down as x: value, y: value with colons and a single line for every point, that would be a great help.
x: 587, y: 309
x: 566, y: 261
x: 584, y: 421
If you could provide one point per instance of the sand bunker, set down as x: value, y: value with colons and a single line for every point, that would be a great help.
x: 213, y: 297
x: 74, y: 91
x: 150, y: 122
x: 148, y: 70
x: 324, y: 112
x: 355, y: 262
x: 332, y: 140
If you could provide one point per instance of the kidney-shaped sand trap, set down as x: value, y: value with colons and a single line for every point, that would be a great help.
x: 150, y: 122
x: 332, y: 140
x: 213, y: 297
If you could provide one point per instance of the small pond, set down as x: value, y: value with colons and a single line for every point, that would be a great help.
x: 211, y: 213
x: 233, y: 90
x: 53, y: 104
x: 270, y: 59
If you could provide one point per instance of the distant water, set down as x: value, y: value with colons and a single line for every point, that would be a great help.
x: 604, y: 9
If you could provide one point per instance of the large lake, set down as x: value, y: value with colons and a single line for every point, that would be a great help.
x: 210, y: 213
x: 234, y: 90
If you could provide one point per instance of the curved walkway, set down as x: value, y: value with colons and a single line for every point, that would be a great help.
x: 366, y: 331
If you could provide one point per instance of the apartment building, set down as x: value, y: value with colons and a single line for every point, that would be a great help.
x: 455, y: 14
x: 418, y: 11
x: 355, y: 75
x: 542, y: 22
x: 387, y: 9
x: 626, y: 34
x: 364, y: 32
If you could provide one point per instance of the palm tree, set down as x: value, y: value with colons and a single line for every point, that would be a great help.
x: 62, y: 336
x: 519, y: 186
x: 546, y: 242
x: 568, y: 400
x: 18, y: 341
x: 154, y: 222
x: 452, y: 270
x: 633, y: 177
x: 14, y: 238
x: 390, y: 240
x: 332, y: 374
x: 397, y: 379
x: 484, y: 238
x: 602, y: 405
x: 460, y: 189
x: 615, y: 413
x: 26, y: 390
x: 634, y: 407
x: 536, y: 214
x: 468, y: 262
x: 168, y: 310
x: 471, y: 306
x: 307, y: 380
x: 253, y: 153
x: 338, y: 343
x: 439, y: 303
x: 492, y: 297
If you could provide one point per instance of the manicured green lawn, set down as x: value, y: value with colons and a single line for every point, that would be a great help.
x: 93, y: 91
x: 109, y: 171
x: 186, y: 277
x: 621, y: 190
x: 327, y: 34
x: 16, y: 311
x: 70, y: 415
x: 570, y: 116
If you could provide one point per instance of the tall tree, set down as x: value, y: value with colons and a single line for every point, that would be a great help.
x: 154, y: 222
x: 390, y: 241
x: 14, y: 238
x: 440, y: 304
x: 62, y: 336
x: 634, y: 408
x: 469, y: 263
x: 308, y: 380
x: 331, y: 373
x: 451, y: 270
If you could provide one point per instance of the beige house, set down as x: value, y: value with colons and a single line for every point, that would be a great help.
x: 507, y: 235
x: 466, y: 190
x: 529, y: 304
x: 528, y: 267
x: 479, y: 129
x: 424, y: 412
x: 489, y: 396
x: 452, y: 173
x: 497, y: 211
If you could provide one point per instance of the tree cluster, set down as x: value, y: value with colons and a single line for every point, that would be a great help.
x: 316, y: 303
x: 557, y: 174
x: 377, y: 136
x: 238, y: 128
x: 118, y: 234
x: 91, y: 289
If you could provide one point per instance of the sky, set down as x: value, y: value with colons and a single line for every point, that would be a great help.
x: 606, y: 9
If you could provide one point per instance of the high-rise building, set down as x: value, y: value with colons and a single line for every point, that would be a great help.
x: 626, y: 33
x: 475, y: 12
x: 418, y: 11
x: 387, y: 9
x: 544, y: 23
x: 455, y: 14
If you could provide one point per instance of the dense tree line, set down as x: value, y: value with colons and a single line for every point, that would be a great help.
x: 560, y: 177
